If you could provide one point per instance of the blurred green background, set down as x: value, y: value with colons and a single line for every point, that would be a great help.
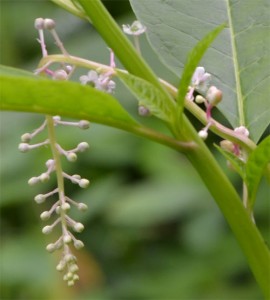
x: 152, y: 231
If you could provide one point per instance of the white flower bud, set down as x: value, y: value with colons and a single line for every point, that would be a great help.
x: 45, y: 215
x: 75, y: 178
x: 26, y: 138
x: 78, y: 244
x: 61, y: 266
x: 83, y: 183
x: 83, y: 124
x: 57, y: 118
x: 75, y: 277
x: 242, y: 130
x: 71, y: 157
x: 199, y: 99
x: 60, y: 75
x: 69, y: 275
x: 203, y: 134
x: 40, y: 198
x: 82, y: 207
x: 58, y: 210
x: 50, y: 163
x: 70, y: 283
x: 39, y: 23
x: 67, y: 239
x: 51, y: 248
x: 47, y: 229
x: 83, y: 146
x: 69, y: 258
x: 214, y: 95
x: 49, y: 24
x: 65, y: 206
x: 24, y: 147
x: 143, y: 111
x: 44, y: 177
x: 68, y: 69
x: 33, y: 180
x: 73, y: 268
x: 78, y: 227
x: 227, y: 145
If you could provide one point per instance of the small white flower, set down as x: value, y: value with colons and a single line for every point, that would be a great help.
x: 242, y: 130
x: 101, y: 82
x: 200, y: 79
x: 136, y: 28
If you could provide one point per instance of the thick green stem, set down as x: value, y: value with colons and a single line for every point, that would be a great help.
x: 214, y: 178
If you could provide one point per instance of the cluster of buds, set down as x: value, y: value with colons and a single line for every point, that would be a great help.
x: 59, y: 210
x: 209, y: 95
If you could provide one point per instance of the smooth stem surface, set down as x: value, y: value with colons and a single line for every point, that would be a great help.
x: 58, y: 169
x: 218, y: 184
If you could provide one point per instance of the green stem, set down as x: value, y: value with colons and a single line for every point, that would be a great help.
x: 58, y: 169
x: 214, y: 178
x: 194, y: 109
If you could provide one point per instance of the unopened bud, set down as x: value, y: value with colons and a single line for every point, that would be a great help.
x: 78, y: 244
x: 67, y: 239
x: 51, y: 247
x: 65, y: 206
x: 49, y: 24
x: 44, y: 177
x: 143, y: 111
x: 199, y: 99
x: 78, y: 227
x: 60, y: 75
x: 47, y: 229
x: 227, y: 145
x: 83, y: 146
x: 242, y: 130
x: 82, y: 207
x: 40, y: 198
x: 26, y: 138
x: 73, y: 268
x: 39, y: 23
x: 203, y: 134
x: 83, y: 183
x: 24, y: 147
x: 45, y: 215
x: 33, y: 180
x: 83, y: 124
x: 71, y: 157
x: 214, y: 95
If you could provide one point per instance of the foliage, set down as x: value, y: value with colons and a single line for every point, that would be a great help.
x: 147, y: 201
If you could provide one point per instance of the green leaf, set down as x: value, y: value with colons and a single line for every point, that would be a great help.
x: 238, y: 164
x: 155, y: 100
x: 255, y: 167
x: 9, y: 71
x: 63, y: 98
x: 238, y: 59
x: 192, y: 62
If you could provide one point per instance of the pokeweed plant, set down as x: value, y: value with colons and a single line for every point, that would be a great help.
x: 50, y: 92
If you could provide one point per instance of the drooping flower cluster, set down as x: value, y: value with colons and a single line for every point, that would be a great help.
x: 59, y: 210
x: 210, y: 96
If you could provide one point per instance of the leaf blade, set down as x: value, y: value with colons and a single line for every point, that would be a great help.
x: 174, y: 27
x: 148, y: 95
x: 64, y: 98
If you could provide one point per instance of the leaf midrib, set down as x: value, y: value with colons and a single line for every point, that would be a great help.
x: 239, y: 94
